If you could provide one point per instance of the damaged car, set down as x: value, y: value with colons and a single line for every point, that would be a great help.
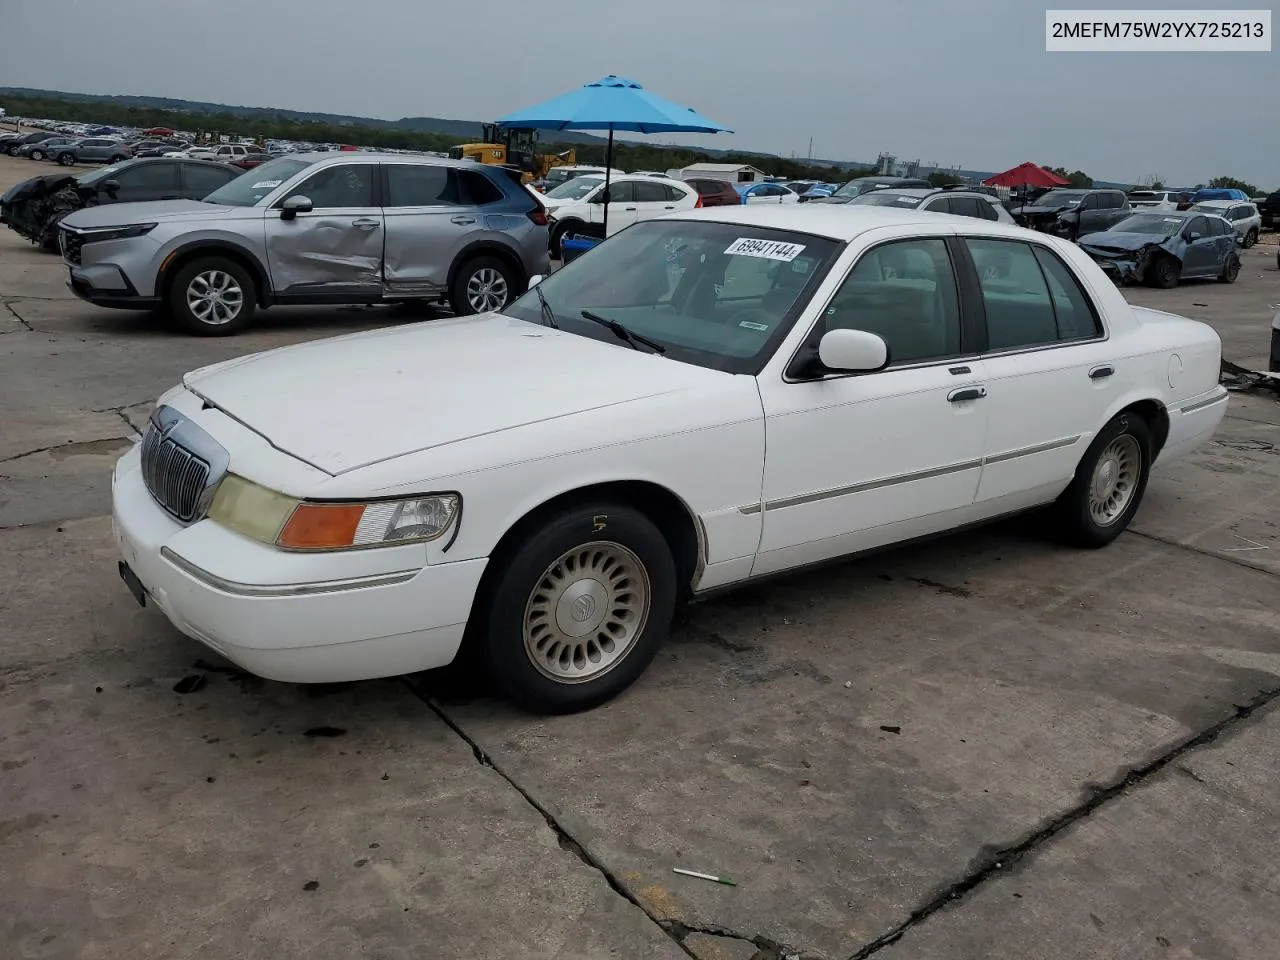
x: 1072, y: 213
x: 1163, y: 249
x: 34, y: 208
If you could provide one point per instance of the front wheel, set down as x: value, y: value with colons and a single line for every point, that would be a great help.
x: 482, y: 285
x: 579, y: 608
x: 212, y: 297
x: 37, y: 154
x: 1250, y: 238
x: 1164, y: 273
x: 1109, y: 483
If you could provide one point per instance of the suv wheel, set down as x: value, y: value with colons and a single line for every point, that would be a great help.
x: 1250, y: 238
x: 67, y: 159
x: 482, y: 285
x: 212, y: 297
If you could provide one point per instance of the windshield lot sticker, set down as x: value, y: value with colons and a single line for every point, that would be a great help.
x: 266, y: 185
x: 752, y: 325
x: 765, y: 249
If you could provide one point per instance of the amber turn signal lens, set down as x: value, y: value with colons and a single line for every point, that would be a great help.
x: 322, y: 526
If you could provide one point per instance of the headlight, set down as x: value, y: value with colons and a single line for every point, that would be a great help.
x: 292, y: 524
x: 96, y: 234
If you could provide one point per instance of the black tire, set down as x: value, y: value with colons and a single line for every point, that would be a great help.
x: 598, y: 528
x: 67, y: 159
x: 485, y: 270
x: 37, y: 154
x: 13, y: 151
x: 118, y: 158
x: 1250, y: 238
x: 1164, y: 273
x: 1076, y: 520
x: 1230, y: 270
x: 181, y: 311
x: 561, y: 231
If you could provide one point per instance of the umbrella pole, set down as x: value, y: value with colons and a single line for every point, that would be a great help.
x: 608, y: 168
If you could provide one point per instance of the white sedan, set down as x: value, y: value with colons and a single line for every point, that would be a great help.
x: 756, y: 193
x: 547, y: 483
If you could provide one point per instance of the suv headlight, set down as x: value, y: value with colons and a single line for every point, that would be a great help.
x: 291, y: 524
x: 96, y: 234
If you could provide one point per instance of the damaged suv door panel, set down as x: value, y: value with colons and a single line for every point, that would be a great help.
x: 331, y: 248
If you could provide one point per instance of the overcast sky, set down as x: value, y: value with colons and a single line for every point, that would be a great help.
x: 966, y: 84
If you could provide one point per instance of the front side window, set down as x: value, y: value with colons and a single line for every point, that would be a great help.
x: 148, y: 178
x: 713, y: 294
x: 337, y: 187
x: 905, y: 292
x: 1030, y: 297
x: 623, y: 192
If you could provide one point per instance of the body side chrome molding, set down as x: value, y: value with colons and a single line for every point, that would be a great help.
x: 1192, y: 408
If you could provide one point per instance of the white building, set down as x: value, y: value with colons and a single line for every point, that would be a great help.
x: 729, y: 172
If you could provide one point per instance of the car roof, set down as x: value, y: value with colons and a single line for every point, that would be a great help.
x: 841, y: 222
x: 370, y: 156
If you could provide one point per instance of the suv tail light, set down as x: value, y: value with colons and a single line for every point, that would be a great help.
x: 698, y: 202
x: 538, y: 215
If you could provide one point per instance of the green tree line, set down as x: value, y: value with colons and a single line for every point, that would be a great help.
x: 627, y: 156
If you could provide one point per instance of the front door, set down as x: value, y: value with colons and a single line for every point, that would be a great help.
x: 428, y: 220
x: 1050, y: 375
x: 334, y: 251
x: 855, y: 462
x: 1201, y: 257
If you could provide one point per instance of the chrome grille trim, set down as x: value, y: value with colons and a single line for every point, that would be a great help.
x: 181, y: 465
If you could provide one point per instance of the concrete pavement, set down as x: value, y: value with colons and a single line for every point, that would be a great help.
x: 988, y: 746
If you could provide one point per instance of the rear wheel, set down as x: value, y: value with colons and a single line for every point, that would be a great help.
x: 66, y: 159
x: 482, y: 285
x: 1109, y: 483
x: 1250, y: 238
x: 1164, y: 273
x: 1230, y: 270
x: 212, y: 297
x: 579, y: 608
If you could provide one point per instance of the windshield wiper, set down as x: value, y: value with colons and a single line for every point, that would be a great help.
x: 548, y: 315
x: 622, y: 333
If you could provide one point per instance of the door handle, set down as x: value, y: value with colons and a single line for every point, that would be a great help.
x: 957, y: 371
x: 462, y: 221
x: 1101, y: 373
x: 628, y: 208
x: 364, y: 223
x: 966, y: 393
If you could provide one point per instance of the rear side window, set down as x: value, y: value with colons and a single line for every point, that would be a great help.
x: 1030, y: 296
x: 419, y: 185
x: 650, y: 192
x: 480, y: 190
x: 674, y: 194
x: 966, y: 206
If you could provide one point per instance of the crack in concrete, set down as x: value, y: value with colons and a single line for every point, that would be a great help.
x: 766, y: 949
x: 1203, y: 552
x: 26, y: 326
x: 1002, y: 860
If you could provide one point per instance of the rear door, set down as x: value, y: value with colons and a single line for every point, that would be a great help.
x: 1050, y: 373
x: 652, y: 199
x: 334, y: 251
x: 429, y: 218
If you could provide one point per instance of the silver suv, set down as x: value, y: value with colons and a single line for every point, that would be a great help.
x: 319, y: 228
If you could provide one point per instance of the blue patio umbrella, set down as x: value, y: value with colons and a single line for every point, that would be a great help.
x: 613, y: 103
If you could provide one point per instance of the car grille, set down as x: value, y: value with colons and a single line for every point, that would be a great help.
x: 175, y: 477
x: 70, y: 244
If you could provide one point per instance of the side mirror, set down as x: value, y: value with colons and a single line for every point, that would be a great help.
x: 853, y: 351
x: 1194, y: 235
x: 294, y: 206
x: 535, y: 280
x: 110, y: 187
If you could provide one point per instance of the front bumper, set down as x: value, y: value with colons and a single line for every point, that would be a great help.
x: 105, y: 285
x: 375, y: 613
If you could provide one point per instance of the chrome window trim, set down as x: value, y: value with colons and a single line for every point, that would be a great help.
x: 238, y: 589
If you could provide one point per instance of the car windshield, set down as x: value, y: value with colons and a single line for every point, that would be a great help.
x: 716, y: 295
x: 1060, y: 198
x: 855, y: 188
x: 1150, y: 223
x: 575, y: 189
x: 248, y: 188
x: 887, y: 198
x: 560, y: 175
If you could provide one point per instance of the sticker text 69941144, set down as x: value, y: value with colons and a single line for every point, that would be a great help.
x: 765, y: 249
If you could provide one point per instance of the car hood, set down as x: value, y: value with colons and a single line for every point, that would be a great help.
x: 1121, y: 241
x: 348, y: 402
x: 154, y: 211
x: 35, y: 187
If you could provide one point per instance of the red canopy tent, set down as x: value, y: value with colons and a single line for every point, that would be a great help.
x: 1026, y: 175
